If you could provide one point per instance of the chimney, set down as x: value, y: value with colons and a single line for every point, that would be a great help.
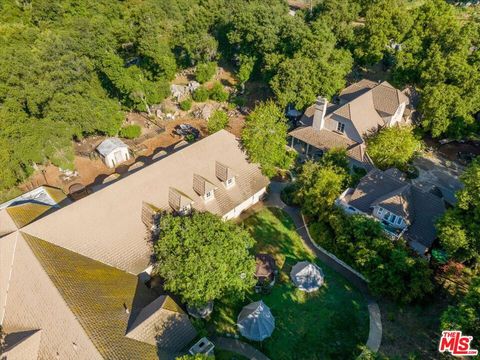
x: 319, y: 115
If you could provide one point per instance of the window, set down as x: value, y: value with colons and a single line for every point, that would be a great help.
x: 185, y: 210
x: 393, y: 218
x: 380, y: 211
x: 230, y: 182
x: 386, y: 216
x: 399, y: 220
x: 209, y: 195
x: 341, y: 127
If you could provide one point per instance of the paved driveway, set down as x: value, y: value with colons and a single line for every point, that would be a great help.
x: 436, y: 171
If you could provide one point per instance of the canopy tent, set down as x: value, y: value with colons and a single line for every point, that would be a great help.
x: 255, y: 321
x: 307, y: 276
x: 265, y: 270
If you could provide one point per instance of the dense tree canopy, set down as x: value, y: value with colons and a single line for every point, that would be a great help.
x: 393, y: 147
x: 465, y: 315
x: 202, y: 258
x: 319, y: 185
x: 70, y: 69
x: 459, y: 229
x: 265, y: 138
x: 391, y: 268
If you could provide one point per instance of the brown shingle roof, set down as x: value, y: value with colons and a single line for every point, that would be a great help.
x: 322, y: 139
x: 423, y: 208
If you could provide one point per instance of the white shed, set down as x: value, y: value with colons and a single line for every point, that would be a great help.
x: 113, y: 152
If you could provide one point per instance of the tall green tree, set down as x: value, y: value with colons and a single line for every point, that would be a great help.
x: 465, y: 315
x: 265, y: 138
x: 459, y: 229
x: 393, y: 147
x: 386, y: 23
x: 319, y: 185
x: 318, y: 68
x: 203, y: 258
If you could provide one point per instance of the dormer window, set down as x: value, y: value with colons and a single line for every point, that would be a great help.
x: 341, y: 127
x: 225, y: 174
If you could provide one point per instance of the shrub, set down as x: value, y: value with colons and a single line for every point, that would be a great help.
x: 288, y: 194
x: 201, y: 94
x: 217, y: 121
x: 217, y: 93
x: 205, y: 71
x: 186, y: 105
x: 130, y: 131
x: 322, y: 234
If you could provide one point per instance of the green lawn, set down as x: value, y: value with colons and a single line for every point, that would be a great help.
x: 330, y: 323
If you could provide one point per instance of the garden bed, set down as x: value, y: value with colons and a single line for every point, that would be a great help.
x: 330, y: 323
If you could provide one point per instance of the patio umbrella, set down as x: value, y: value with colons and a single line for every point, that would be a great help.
x: 307, y: 276
x: 255, y: 321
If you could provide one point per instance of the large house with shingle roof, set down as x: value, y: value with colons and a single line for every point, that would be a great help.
x: 360, y: 109
x: 402, y: 208
x: 73, y: 279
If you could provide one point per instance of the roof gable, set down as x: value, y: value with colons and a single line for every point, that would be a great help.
x: 24, y: 214
x: 398, y: 202
x: 97, y: 295
x: 163, y: 322
x: 23, y: 345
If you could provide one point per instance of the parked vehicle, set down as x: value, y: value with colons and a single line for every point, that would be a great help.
x: 187, y: 130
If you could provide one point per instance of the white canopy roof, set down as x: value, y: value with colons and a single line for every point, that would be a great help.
x: 109, y: 145
x: 307, y: 276
x: 255, y: 321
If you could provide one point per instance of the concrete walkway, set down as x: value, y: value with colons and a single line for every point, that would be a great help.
x: 239, y: 347
x: 375, y: 333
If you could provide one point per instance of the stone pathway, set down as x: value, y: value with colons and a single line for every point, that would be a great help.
x: 375, y: 333
x: 239, y: 347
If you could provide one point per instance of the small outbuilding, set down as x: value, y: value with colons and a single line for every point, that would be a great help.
x: 113, y: 152
x: 255, y: 321
x: 307, y: 276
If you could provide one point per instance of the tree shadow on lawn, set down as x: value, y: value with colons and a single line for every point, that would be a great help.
x: 329, y: 323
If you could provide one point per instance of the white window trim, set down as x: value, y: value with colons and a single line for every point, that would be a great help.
x: 209, y: 195
x: 230, y: 182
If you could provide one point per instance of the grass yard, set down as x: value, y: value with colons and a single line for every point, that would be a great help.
x: 330, y: 323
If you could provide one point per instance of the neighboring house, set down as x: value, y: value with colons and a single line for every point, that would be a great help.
x: 113, y: 152
x: 72, y: 283
x: 402, y: 208
x: 361, y: 108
